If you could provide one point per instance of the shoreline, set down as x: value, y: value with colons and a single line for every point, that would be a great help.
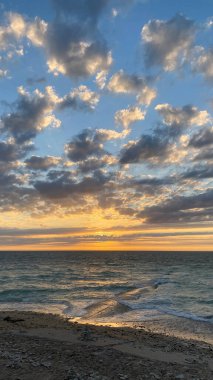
x: 38, y: 345
x: 166, y: 324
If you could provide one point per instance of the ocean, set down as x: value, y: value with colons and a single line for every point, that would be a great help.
x: 128, y: 287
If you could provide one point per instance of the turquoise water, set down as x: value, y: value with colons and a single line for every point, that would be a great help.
x: 127, y: 286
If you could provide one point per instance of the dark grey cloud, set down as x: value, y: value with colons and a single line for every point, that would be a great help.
x: 75, y: 50
x: 150, y: 185
x: 202, y: 63
x: 154, y: 181
x: 73, y: 42
x: 81, y: 98
x: 180, y: 209
x: 88, y: 143
x: 91, y: 164
x: 199, y: 172
x: 15, y: 196
x: 202, y: 138
x: 148, y: 147
x: 178, y: 119
x: 158, y: 146
x: 41, y: 163
x: 7, y: 180
x: 123, y: 83
x: 168, y: 43
x: 89, y: 10
x: 82, y: 9
x: 10, y: 151
x: 29, y: 115
x: 34, y: 81
x: 206, y: 154
x: 7, y: 232
x: 66, y: 186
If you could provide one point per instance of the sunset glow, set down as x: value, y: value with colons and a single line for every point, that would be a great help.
x: 106, y: 125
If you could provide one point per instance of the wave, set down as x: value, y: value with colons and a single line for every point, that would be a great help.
x: 160, y: 281
x: 141, y: 289
x: 187, y: 315
x: 133, y: 293
x: 106, y: 308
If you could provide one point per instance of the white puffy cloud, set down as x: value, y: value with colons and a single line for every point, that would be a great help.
x: 33, y: 112
x: 79, y: 98
x: 110, y: 134
x: 202, y: 62
x: 168, y: 43
x: 17, y: 28
x: 42, y: 163
x: 122, y: 83
x: 76, y: 59
x: 184, y: 116
x: 3, y: 73
x: 101, y: 79
x: 72, y: 49
x: 36, y: 31
x: 209, y: 23
x: 30, y: 114
x: 127, y: 116
x: 12, y: 31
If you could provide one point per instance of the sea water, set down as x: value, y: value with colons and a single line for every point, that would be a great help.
x: 110, y: 286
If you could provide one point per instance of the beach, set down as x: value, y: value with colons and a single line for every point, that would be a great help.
x: 46, y: 346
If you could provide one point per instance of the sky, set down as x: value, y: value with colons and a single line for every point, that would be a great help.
x: 106, y: 133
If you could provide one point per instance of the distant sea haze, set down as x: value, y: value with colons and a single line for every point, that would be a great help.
x: 109, y: 286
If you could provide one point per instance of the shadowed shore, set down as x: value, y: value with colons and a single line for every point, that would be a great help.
x: 45, y: 346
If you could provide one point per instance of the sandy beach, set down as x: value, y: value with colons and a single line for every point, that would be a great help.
x: 45, y: 346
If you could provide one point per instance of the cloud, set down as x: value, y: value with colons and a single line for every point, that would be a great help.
x: 122, y: 83
x: 9, y: 151
x: 149, y: 148
x: 149, y: 184
x: 198, y: 172
x: 12, y: 31
x: 101, y: 78
x: 42, y: 163
x: 3, y: 73
x: 94, y: 163
x: 34, y: 81
x: 88, y: 143
x: 6, y: 181
x: 74, y: 51
x: 38, y: 231
x: 182, y: 116
x: 153, y: 181
x: 16, y: 28
x: 91, y: 10
x: 127, y: 116
x: 168, y: 43
x: 73, y: 43
x: 82, y: 9
x: 179, y: 209
x: 30, y: 114
x: 87, y: 148
x: 110, y: 134
x: 202, y: 62
x: 81, y: 98
x: 202, y: 138
x: 206, y: 154
x: 66, y: 186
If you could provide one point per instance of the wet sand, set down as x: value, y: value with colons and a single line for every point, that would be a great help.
x: 48, y: 347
